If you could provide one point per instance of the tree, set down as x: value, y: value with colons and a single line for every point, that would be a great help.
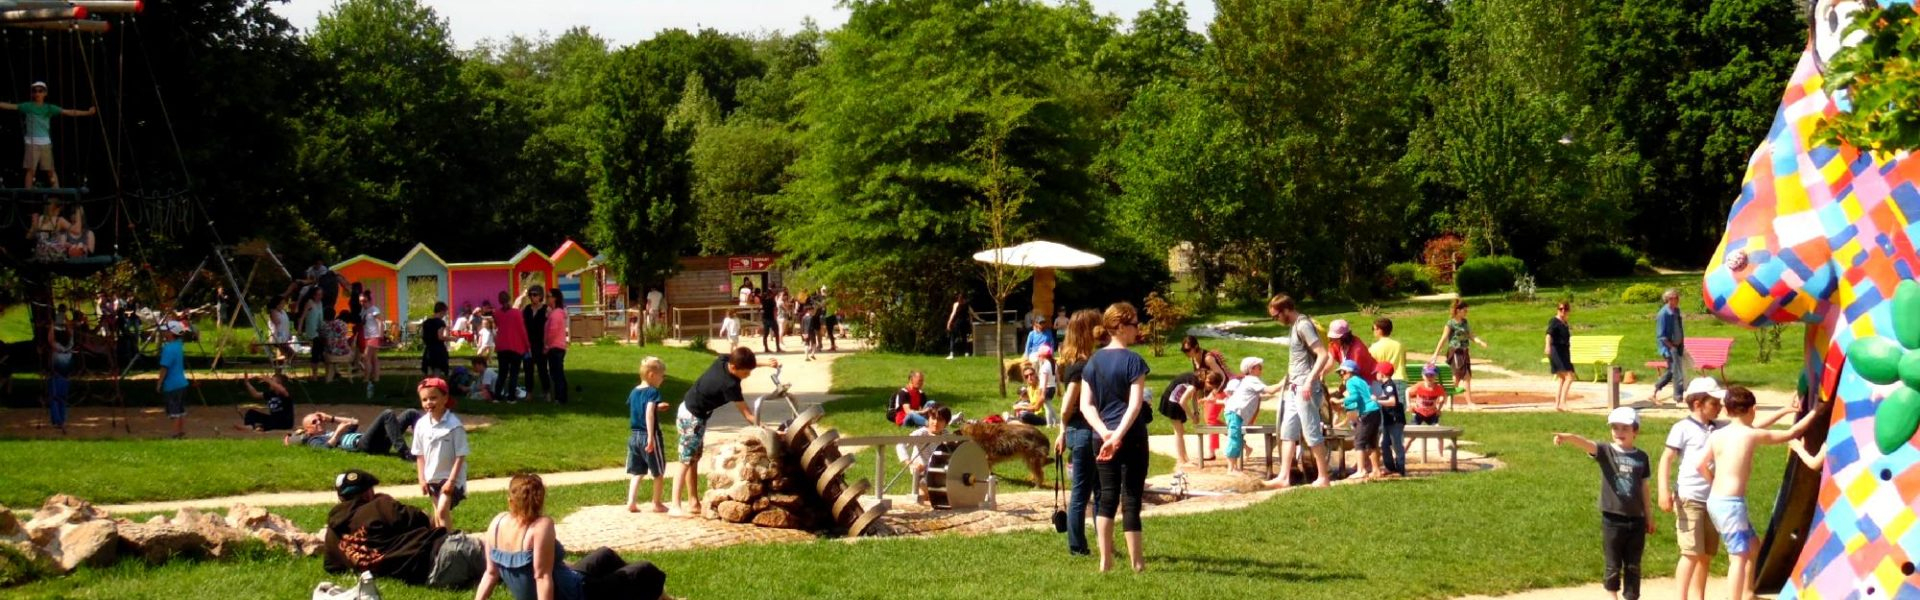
x: 739, y: 167
x: 883, y: 206
x: 1003, y: 190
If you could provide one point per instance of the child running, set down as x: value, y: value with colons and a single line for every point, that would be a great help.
x: 645, y: 455
x: 1726, y: 465
x: 1624, y: 504
x: 440, y: 451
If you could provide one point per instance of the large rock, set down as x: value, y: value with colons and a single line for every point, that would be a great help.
x: 157, y: 543
x: 780, y: 518
x: 75, y: 509
x: 10, y: 528
x: 93, y: 543
x: 733, y: 512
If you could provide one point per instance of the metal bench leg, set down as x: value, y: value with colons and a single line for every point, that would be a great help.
x: 1453, y: 463
x: 880, y: 471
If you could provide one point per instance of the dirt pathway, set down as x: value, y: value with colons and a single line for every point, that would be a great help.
x: 810, y: 381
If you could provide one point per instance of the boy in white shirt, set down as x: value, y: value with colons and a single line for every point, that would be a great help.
x: 440, y: 451
x: 730, y: 329
x: 1242, y: 406
x: 916, y: 455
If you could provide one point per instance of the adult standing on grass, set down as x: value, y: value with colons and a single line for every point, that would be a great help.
x: 956, y: 326
x: 1672, y: 333
x: 1204, y: 360
x: 558, y: 330
x: 1075, y: 441
x: 717, y: 387
x: 535, y: 315
x: 769, y: 320
x: 1559, y: 351
x: 1456, y: 340
x: 1304, y: 390
x: 1115, y: 397
x: 434, y: 359
x: 510, y: 341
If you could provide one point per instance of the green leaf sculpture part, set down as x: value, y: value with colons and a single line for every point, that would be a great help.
x: 1906, y: 314
x: 1877, y: 359
x: 1896, y: 419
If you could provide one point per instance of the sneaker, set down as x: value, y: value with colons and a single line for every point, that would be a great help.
x: 949, y: 357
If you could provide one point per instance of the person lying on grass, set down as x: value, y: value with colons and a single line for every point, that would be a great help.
x: 280, y: 410
x: 385, y: 436
x: 370, y: 531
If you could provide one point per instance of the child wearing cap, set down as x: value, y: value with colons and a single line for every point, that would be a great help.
x: 646, y: 452
x: 1726, y: 465
x: 1686, y: 498
x: 1363, y: 415
x: 1242, y: 406
x: 39, y: 139
x: 1427, y: 398
x: 440, y: 451
x: 1624, y: 504
x: 1043, y: 367
x: 173, y: 375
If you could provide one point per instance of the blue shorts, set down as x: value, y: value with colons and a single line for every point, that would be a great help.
x: 640, y: 461
x: 1729, y: 515
x: 176, y: 403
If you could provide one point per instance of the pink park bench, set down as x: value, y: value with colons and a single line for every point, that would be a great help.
x: 1709, y: 354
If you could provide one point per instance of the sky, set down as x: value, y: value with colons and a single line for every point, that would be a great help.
x: 627, y: 21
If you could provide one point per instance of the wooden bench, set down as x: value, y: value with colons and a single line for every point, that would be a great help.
x: 1435, y: 432
x: 1270, y: 434
x: 1598, y: 351
x: 1708, y: 354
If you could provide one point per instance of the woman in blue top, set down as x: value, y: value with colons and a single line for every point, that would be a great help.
x: 1076, y: 441
x: 528, y: 562
x: 1113, y: 396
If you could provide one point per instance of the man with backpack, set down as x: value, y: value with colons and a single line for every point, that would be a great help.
x: 910, y: 405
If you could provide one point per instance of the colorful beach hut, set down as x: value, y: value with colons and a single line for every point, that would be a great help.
x: 373, y: 274
x: 531, y: 267
x: 573, y: 277
x: 423, y: 279
x: 478, y: 283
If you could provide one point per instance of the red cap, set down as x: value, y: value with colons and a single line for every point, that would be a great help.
x: 434, y: 382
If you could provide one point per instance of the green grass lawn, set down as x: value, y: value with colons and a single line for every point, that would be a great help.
x: 588, y: 433
x: 1530, y: 525
x: 1515, y: 331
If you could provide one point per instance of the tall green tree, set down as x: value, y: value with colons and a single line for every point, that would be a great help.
x: 885, y: 203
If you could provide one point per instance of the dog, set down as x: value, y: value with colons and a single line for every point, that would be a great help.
x: 1006, y: 441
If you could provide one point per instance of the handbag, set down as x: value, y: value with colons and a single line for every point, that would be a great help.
x: 1059, y: 512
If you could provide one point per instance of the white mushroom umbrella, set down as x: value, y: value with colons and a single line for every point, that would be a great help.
x: 1043, y: 258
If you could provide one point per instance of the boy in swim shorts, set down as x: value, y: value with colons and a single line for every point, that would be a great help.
x: 1727, y: 465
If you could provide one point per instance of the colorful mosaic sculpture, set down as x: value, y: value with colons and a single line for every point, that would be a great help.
x: 1824, y: 235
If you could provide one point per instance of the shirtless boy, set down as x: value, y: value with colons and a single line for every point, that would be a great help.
x: 1727, y: 465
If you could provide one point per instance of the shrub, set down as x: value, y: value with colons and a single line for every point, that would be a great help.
x: 1642, y: 293
x: 698, y: 342
x: 1610, y: 260
x: 1406, y: 279
x: 1488, y: 275
x: 1442, y: 255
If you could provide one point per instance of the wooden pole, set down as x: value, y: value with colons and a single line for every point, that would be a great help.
x: 33, y: 15
x: 1043, y: 282
x: 79, y: 26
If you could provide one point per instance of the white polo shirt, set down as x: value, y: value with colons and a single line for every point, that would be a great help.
x: 439, y: 442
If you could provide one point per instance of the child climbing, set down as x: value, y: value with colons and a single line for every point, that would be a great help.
x: 39, y: 139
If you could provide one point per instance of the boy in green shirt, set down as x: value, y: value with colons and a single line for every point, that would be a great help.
x: 39, y: 139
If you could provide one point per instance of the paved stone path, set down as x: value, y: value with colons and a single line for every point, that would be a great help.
x: 810, y: 381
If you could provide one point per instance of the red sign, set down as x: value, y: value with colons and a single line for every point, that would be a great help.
x: 737, y: 264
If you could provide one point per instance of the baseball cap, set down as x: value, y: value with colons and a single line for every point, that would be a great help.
x: 1348, y: 366
x: 434, y: 382
x: 1338, y: 329
x: 1430, y: 371
x: 1248, y: 363
x: 353, y: 482
x: 38, y: 85
x: 1624, y: 415
x: 1706, y: 385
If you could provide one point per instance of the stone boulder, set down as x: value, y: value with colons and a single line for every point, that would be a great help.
x: 10, y: 528
x: 158, y: 543
x: 781, y: 518
x: 93, y: 543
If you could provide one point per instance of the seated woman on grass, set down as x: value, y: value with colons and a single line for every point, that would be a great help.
x: 524, y: 556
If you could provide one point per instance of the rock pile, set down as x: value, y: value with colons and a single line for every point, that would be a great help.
x: 68, y: 532
x: 754, y: 480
